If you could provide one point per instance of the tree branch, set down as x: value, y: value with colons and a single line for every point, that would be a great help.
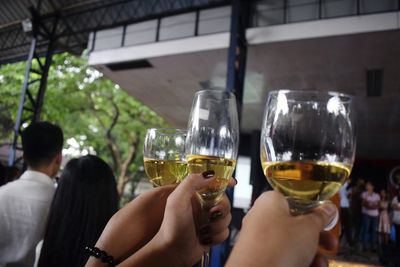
x: 112, y: 146
x: 123, y: 178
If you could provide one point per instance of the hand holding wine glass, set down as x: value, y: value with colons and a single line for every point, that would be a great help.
x: 212, y: 143
x: 307, y: 145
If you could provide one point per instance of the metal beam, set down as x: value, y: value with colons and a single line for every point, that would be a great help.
x: 17, y: 127
x: 30, y: 110
x: 237, y: 54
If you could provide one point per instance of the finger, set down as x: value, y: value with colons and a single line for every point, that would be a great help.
x: 232, y: 182
x: 188, y: 187
x: 220, y: 210
x: 322, y: 215
x: 216, y: 227
x: 214, y: 239
x: 219, y: 225
x: 319, y: 261
x: 273, y: 199
x: 327, y: 240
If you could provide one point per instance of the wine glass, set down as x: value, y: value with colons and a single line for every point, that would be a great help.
x: 164, y: 156
x: 308, y: 144
x: 212, y: 143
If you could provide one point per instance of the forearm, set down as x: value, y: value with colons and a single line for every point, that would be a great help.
x: 265, y: 246
x: 121, y: 240
x: 133, y: 226
x: 94, y: 262
x: 153, y: 254
x: 251, y: 253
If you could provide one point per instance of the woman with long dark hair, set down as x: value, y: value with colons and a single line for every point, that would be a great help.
x: 85, y: 199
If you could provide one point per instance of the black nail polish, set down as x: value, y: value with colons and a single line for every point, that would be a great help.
x: 205, y: 230
x: 236, y: 181
x: 215, y: 215
x: 208, y: 174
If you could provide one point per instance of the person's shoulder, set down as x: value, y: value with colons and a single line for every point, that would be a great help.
x: 26, y: 189
x: 10, y: 186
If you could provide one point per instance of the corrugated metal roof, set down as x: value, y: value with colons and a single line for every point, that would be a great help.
x: 77, y: 18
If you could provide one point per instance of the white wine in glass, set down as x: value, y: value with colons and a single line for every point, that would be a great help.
x: 164, y: 156
x: 212, y: 140
x: 223, y: 169
x: 212, y: 143
x: 308, y: 143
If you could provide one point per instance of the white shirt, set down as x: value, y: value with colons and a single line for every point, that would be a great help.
x: 24, y: 206
x: 344, y: 200
x: 373, y: 198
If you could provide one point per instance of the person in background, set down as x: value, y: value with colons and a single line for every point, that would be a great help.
x: 396, y: 216
x: 370, y: 219
x: 85, y: 199
x: 24, y: 203
x: 384, y: 220
x: 356, y: 206
x: 345, y: 214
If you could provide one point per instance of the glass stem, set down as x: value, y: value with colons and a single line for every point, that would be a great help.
x: 205, y: 260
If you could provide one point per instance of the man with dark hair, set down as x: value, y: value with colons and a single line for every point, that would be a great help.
x: 24, y: 203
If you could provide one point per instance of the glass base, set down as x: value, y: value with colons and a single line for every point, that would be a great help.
x: 300, y: 206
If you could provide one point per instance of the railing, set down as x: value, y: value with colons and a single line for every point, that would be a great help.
x: 272, y: 12
x: 216, y: 20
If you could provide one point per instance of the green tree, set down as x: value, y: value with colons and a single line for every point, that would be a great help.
x: 96, y: 115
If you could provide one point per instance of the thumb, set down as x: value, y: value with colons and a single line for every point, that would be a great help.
x: 188, y: 187
x: 322, y: 215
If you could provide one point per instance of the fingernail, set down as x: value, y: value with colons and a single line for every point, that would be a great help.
x: 215, y: 215
x: 208, y: 174
x: 236, y: 181
x: 205, y: 230
x: 330, y: 209
x: 206, y: 240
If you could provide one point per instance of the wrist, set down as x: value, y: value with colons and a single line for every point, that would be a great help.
x: 94, y: 262
x: 155, y: 253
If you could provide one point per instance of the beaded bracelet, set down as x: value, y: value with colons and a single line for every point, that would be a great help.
x: 100, y: 254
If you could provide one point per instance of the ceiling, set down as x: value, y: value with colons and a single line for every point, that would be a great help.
x: 332, y: 63
x: 70, y: 22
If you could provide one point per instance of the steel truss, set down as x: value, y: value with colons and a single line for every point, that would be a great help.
x: 79, y: 18
x: 35, y: 80
x: 67, y: 28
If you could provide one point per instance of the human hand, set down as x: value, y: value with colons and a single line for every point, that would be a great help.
x: 271, y: 236
x: 178, y: 232
x: 138, y: 222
